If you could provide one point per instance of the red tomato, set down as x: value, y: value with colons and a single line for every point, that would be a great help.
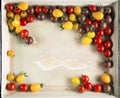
x: 17, y: 11
x: 88, y: 21
x: 23, y: 22
x: 101, y: 48
x: 70, y: 9
x: 81, y: 89
x: 100, y: 32
x: 45, y: 9
x: 95, y: 23
x: 11, y: 86
x: 97, y: 88
x: 108, y: 31
x: 108, y: 53
x: 108, y: 44
x: 9, y: 7
x: 23, y: 87
x: 97, y: 40
x: 30, y: 18
x: 24, y: 33
x: 92, y: 8
x: 38, y: 9
x: 85, y: 78
x: 88, y: 86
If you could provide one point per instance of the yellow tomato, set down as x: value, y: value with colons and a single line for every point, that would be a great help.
x: 106, y: 78
x: 23, y: 14
x: 10, y: 53
x: 98, y: 15
x: 72, y: 17
x: 16, y: 23
x: 20, y: 78
x: 35, y: 87
x: 17, y: 17
x: 23, y: 6
x: 10, y: 14
x: 10, y: 77
x: 57, y: 13
x: 91, y: 34
x: 11, y: 27
x: 75, y: 26
x: 18, y: 29
x: 86, y: 40
x: 75, y: 81
x: 67, y: 25
x: 77, y: 10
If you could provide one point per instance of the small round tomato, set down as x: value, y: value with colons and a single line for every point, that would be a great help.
x: 88, y: 86
x: 95, y: 23
x: 23, y: 14
x: 30, y: 18
x: 108, y: 53
x: 23, y: 87
x: 18, y: 11
x: 97, y: 40
x: 9, y: 7
x: 23, y: 22
x: 24, y: 33
x: 38, y: 9
x: 108, y: 44
x: 29, y: 40
x: 100, y: 32
x: 81, y: 89
x: 45, y: 9
x: 70, y: 9
x: 11, y: 86
x: 97, y: 88
x: 108, y: 31
x: 88, y: 21
x: 92, y: 8
x: 85, y: 78
x: 101, y: 48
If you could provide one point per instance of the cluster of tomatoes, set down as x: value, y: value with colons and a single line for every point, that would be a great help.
x: 16, y: 83
x: 83, y: 84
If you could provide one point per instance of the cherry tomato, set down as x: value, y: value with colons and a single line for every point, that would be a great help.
x: 108, y: 31
x: 23, y: 87
x: 108, y: 53
x: 23, y: 21
x: 92, y: 8
x: 88, y: 86
x: 88, y: 21
x: 70, y: 9
x: 9, y: 7
x: 97, y: 88
x: 108, y: 44
x: 97, y: 40
x: 24, y: 33
x: 30, y: 18
x: 45, y: 9
x: 18, y: 11
x: 38, y: 9
x: 11, y: 86
x: 81, y: 89
x: 85, y: 78
x: 95, y: 23
x: 101, y: 48
x: 100, y: 32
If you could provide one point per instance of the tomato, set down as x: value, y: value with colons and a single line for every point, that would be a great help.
x: 35, y: 87
x: 86, y: 40
x: 57, y: 13
x: 108, y: 31
x: 72, y: 17
x: 101, y: 48
x: 88, y: 86
x: 98, y: 15
x: 67, y: 25
x: 91, y: 34
x: 92, y: 8
x: 75, y: 26
x: 81, y: 89
x: 23, y: 87
x: 24, y: 33
x: 23, y: 22
x: 23, y: 14
x: 108, y: 53
x: 97, y: 88
x: 9, y: 7
x: 30, y: 18
x: 16, y: 23
x: 11, y: 86
x: 10, y: 77
x: 20, y: 78
x: 106, y: 78
x: 38, y: 9
x: 97, y: 40
x: 10, y: 14
x: 17, y: 17
x: 88, y: 21
x: 45, y: 9
x: 70, y: 9
x: 75, y: 81
x: 10, y: 53
x: 108, y: 44
x: 95, y: 23
x: 85, y: 78
x: 100, y: 32
x: 18, y: 11
x: 23, y: 6
x: 18, y: 29
x: 77, y: 10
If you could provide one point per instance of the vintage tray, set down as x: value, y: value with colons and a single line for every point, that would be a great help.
x: 59, y: 49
